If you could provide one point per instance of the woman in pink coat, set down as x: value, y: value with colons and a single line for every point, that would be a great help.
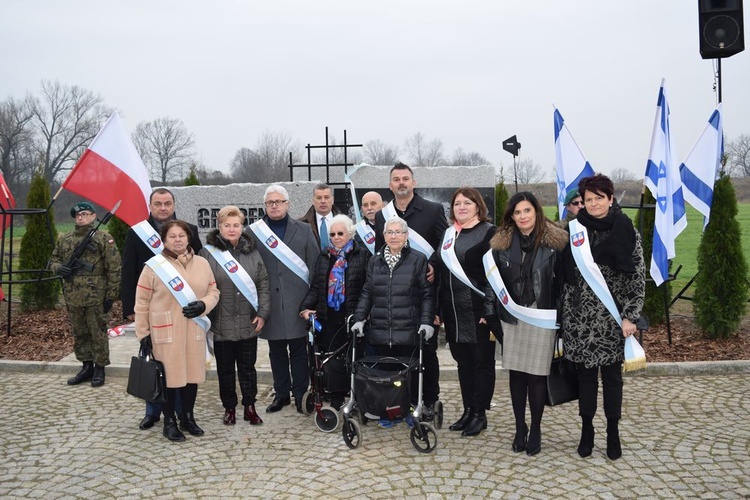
x: 178, y: 341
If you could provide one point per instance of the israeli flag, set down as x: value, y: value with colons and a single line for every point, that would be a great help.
x: 663, y: 180
x: 700, y: 168
x: 571, y: 164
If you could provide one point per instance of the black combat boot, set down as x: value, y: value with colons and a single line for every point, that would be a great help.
x: 85, y: 374
x: 97, y: 380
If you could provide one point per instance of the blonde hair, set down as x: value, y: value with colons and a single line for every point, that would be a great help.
x: 230, y: 211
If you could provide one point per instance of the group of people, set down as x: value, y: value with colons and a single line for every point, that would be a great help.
x: 403, y: 271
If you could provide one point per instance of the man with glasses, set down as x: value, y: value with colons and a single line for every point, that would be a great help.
x: 90, y: 287
x: 321, y: 212
x: 573, y: 203
x: 135, y: 253
x: 289, y: 251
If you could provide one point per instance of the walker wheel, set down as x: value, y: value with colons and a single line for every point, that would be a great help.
x: 423, y: 437
x: 327, y: 419
x: 351, y: 432
x: 438, y: 415
x: 308, y: 403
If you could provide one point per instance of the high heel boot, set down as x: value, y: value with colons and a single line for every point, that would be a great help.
x: 460, y: 424
x: 519, y: 441
x: 171, y: 431
x: 586, y: 445
x: 534, y: 444
x: 614, y: 450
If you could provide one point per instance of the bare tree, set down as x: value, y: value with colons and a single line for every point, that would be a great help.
x: 68, y: 118
x: 619, y: 175
x: 16, y: 136
x: 211, y: 177
x: 379, y: 153
x: 423, y: 153
x: 738, y: 156
x: 166, y: 147
x: 336, y: 155
x: 529, y: 172
x: 463, y: 159
x: 268, y: 162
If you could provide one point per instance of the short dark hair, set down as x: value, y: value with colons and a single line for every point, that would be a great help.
x: 160, y: 191
x: 598, y: 183
x: 401, y: 166
x: 175, y: 222
x: 474, y: 195
x: 323, y: 187
x: 539, y: 224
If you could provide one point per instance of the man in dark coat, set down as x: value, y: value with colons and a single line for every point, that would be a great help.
x: 321, y: 210
x: 135, y: 253
x: 428, y: 219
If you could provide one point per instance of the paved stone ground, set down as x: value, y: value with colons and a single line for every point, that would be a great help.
x: 685, y: 437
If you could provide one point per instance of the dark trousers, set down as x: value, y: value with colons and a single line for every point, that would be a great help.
x: 242, y: 354
x: 187, y: 396
x: 283, y: 360
x: 431, y: 370
x: 476, y: 372
x: 588, y: 387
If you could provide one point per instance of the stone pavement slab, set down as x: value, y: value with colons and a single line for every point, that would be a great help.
x: 683, y: 437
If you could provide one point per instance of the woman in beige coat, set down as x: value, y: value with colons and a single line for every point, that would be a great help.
x: 177, y: 340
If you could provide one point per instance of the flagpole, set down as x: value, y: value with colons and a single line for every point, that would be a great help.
x: 55, y: 197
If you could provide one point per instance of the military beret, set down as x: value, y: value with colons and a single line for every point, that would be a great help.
x: 572, y: 195
x: 80, y: 207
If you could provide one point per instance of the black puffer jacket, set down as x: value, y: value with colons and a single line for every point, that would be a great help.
x: 396, y: 303
x: 354, y: 276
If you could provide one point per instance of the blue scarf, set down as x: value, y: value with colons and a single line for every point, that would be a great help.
x: 336, y: 285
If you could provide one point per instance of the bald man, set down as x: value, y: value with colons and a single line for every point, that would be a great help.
x: 372, y: 203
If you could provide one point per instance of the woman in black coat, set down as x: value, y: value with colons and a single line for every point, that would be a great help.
x: 465, y: 308
x: 335, y: 286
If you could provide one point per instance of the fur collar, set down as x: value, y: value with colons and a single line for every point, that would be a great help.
x: 245, y: 245
x: 553, y: 237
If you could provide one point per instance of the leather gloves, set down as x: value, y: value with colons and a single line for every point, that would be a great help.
x: 108, y: 305
x: 428, y: 330
x: 64, y: 271
x: 358, y: 328
x: 194, y: 309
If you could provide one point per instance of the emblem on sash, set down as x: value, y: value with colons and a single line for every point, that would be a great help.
x: 448, y: 244
x: 272, y: 242
x: 231, y: 266
x: 504, y: 297
x: 154, y: 241
x: 577, y: 239
x: 177, y: 284
x: 370, y: 238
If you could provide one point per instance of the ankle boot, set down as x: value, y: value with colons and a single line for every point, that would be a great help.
x: 187, y: 423
x: 97, y: 379
x: 476, y: 424
x: 534, y: 444
x: 460, y: 424
x: 171, y: 431
x: 252, y: 416
x: 229, y: 417
x: 586, y: 445
x: 87, y: 371
x: 614, y: 450
x: 519, y: 441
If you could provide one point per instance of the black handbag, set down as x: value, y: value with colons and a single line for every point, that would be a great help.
x: 562, y: 381
x: 146, y: 378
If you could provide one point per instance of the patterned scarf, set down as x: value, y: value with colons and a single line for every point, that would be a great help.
x: 336, y: 285
x: 391, y: 258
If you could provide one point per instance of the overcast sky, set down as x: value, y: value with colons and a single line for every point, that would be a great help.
x: 470, y: 73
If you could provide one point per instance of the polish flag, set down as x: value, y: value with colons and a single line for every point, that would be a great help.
x: 112, y: 170
x: 6, y: 202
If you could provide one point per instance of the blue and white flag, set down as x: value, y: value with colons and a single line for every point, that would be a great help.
x: 702, y: 164
x: 571, y: 164
x: 355, y: 202
x: 663, y: 180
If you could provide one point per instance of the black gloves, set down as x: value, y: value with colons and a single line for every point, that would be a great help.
x: 108, y: 305
x: 193, y: 309
x: 64, y: 271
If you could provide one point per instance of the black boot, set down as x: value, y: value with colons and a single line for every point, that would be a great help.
x: 614, y: 450
x: 586, y: 446
x: 476, y: 424
x: 171, y: 431
x: 85, y: 374
x: 460, y: 424
x: 187, y: 423
x: 534, y: 444
x: 97, y: 379
x: 519, y: 441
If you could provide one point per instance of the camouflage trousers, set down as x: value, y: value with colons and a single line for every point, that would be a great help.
x: 89, y: 324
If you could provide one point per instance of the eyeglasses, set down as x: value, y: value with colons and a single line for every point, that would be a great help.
x: 84, y: 214
x: 274, y: 203
x: 340, y: 233
x: 576, y: 203
x: 395, y: 232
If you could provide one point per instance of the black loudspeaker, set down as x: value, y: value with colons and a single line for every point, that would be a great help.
x: 721, y: 28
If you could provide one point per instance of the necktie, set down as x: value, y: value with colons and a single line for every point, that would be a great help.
x: 323, y: 234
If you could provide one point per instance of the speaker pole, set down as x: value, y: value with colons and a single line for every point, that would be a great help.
x: 718, y: 75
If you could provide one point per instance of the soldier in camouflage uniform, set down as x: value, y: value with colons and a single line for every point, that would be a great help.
x: 89, y: 290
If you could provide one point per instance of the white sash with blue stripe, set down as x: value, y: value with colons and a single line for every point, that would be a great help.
x: 448, y: 254
x: 280, y: 250
x: 543, y: 318
x: 236, y: 273
x: 367, y: 235
x: 416, y: 241
x: 149, y: 236
x: 177, y: 285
